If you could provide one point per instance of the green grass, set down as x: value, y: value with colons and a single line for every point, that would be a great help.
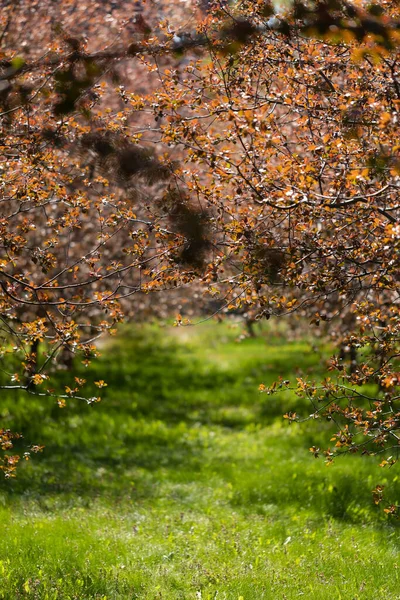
x: 186, y: 483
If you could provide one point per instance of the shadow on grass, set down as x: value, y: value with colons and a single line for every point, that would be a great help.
x: 164, y: 415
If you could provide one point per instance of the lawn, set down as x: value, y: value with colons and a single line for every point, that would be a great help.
x: 186, y: 483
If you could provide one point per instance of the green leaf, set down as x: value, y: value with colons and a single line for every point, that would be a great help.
x: 17, y: 63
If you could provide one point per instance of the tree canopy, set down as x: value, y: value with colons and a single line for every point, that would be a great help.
x: 251, y: 157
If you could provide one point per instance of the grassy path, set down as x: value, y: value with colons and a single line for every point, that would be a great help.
x: 185, y: 483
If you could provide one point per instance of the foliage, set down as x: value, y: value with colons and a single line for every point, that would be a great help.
x: 187, y: 481
x: 278, y: 193
x: 292, y: 144
x: 84, y: 206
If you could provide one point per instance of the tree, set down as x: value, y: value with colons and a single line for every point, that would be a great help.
x: 292, y: 144
x: 272, y: 187
x: 90, y: 217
